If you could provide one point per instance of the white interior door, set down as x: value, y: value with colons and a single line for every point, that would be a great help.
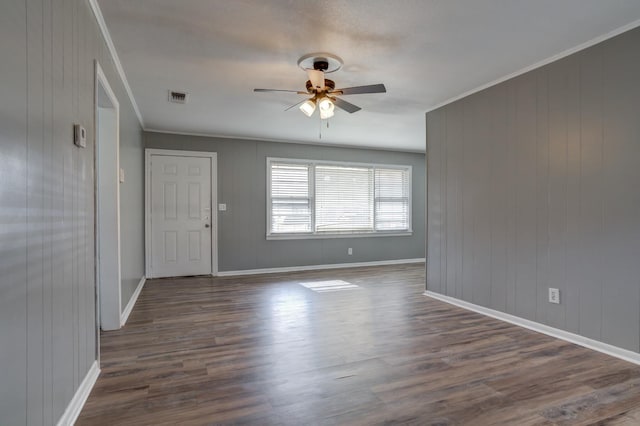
x: 180, y: 215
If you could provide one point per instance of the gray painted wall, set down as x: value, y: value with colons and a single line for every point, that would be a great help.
x: 534, y: 183
x: 131, y: 196
x: 242, y: 186
x: 47, y: 285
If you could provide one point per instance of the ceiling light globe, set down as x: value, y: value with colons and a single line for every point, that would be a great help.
x: 326, y: 104
x: 308, y: 107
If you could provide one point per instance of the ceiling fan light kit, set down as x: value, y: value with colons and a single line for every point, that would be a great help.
x: 322, y: 90
x: 308, y: 107
x: 326, y: 108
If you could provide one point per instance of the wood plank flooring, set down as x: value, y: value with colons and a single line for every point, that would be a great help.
x: 265, y: 350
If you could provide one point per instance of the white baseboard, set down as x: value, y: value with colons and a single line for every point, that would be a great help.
x: 596, y: 345
x: 124, y: 316
x: 74, y: 408
x: 317, y: 267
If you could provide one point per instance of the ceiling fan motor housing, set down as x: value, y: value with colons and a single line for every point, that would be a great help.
x: 321, y: 64
x: 328, y: 85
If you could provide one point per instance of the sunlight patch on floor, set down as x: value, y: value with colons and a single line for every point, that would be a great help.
x: 333, y: 285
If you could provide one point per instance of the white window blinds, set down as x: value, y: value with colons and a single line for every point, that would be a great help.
x: 325, y: 198
x: 344, y: 199
x: 392, y: 199
x: 290, y: 198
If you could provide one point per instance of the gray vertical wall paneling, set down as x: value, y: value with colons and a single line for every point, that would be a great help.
x: 60, y: 362
x: 621, y: 298
x: 434, y: 233
x: 426, y: 198
x: 483, y: 161
x: 47, y: 303
x: 79, y: 225
x: 572, y: 283
x: 453, y: 199
x: 443, y: 205
x: 472, y: 206
x: 67, y: 104
x: 568, y: 197
x: 91, y: 297
x: 89, y: 301
x: 512, y: 196
x: 455, y: 208
x: 558, y: 150
x: 13, y: 230
x: 73, y: 167
x: 526, y: 91
x: 48, y: 213
x: 542, y: 190
x: 480, y: 166
x: 468, y: 210
x: 498, y: 200
x: 35, y: 209
x: 87, y: 249
x: 590, y: 269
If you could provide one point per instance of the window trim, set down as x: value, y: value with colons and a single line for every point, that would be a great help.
x: 312, y: 189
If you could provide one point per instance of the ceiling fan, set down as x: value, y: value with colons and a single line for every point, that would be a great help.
x: 321, y: 90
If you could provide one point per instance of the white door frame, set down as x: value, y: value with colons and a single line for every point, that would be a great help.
x: 213, y: 156
x: 107, y: 242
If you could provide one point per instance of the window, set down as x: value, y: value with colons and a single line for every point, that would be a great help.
x: 309, y: 199
x: 290, y: 199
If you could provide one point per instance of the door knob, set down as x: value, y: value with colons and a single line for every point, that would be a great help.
x: 206, y: 225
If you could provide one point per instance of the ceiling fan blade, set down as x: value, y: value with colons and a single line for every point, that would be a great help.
x: 359, y: 90
x: 316, y: 77
x: 281, y: 90
x: 349, y: 107
x: 295, y: 105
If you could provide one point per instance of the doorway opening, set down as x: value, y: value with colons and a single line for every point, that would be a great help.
x: 107, y: 204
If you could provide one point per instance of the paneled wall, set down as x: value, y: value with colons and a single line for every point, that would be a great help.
x: 242, y: 242
x: 47, y: 284
x: 535, y: 183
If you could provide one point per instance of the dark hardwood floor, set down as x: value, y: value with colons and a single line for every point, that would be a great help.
x: 265, y: 350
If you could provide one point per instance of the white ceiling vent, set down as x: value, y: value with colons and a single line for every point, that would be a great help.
x: 178, y: 97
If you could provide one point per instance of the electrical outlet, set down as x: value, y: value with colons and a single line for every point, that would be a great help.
x: 222, y: 207
x: 554, y: 295
x: 349, y: 251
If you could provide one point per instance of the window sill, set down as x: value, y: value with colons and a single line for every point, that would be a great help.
x: 332, y: 236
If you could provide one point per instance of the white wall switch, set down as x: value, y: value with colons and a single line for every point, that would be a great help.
x: 222, y: 207
x: 79, y: 136
x: 349, y: 251
x: 554, y: 295
x: 121, y: 176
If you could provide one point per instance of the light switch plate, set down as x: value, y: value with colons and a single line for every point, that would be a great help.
x: 222, y: 207
x: 121, y: 176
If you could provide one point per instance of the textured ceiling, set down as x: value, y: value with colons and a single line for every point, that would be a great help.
x: 424, y: 51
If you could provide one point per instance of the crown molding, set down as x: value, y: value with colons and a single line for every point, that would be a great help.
x: 97, y: 13
x: 251, y: 138
x: 542, y: 63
